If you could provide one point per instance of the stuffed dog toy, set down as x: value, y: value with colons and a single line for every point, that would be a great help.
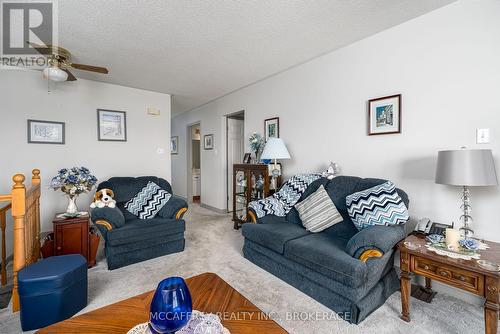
x: 332, y: 171
x: 103, y: 198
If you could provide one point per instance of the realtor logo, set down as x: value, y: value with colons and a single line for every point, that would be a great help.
x: 27, y: 21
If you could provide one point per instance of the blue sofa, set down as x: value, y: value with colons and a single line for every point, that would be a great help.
x: 130, y: 239
x: 350, y: 271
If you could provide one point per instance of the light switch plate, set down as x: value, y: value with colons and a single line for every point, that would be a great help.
x: 153, y: 111
x: 483, y: 136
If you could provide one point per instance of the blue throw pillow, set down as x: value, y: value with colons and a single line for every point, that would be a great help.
x: 148, y: 202
x: 380, y: 205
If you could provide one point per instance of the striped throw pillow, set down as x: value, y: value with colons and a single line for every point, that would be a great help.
x: 379, y: 205
x: 148, y: 202
x: 318, y: 212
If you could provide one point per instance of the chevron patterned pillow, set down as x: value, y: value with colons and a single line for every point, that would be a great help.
x: 148, y: 202
x: 380, y: 205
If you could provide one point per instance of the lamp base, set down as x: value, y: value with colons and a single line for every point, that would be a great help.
x: 468, y: 232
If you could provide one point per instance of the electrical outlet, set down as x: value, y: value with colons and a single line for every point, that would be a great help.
x: 483, y: 136
x: 160, y: 150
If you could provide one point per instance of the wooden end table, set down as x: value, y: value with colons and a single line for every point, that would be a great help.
x: 463, y: 274
x: 71, y: 236
x: 209, y: 293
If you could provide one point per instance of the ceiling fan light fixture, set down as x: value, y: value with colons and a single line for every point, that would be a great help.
x: 54, y: 73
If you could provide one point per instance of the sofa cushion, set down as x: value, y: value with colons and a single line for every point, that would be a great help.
x: 273, y: 235
x: 379, y: 205
x: 139, y: 230
x: 326, y: 255
x: 318, y: 212
x: 270, y: 219
x: 148, y: 202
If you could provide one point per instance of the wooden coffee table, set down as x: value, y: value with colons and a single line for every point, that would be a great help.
x: 209, y: 293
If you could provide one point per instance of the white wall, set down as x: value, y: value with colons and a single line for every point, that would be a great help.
x: 446, y: 66
x: 23, y: 95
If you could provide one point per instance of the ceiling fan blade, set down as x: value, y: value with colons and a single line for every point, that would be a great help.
x: 71, y: 77
x: 41, y: 49
x: 90, y: 68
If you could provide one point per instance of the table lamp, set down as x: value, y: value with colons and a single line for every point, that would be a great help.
x: 275, y: 149
x: 466, y: 168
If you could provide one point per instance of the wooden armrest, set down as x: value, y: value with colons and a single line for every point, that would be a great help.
x: 252, y: 216
x: 104, y: 223
x: 180, y: 213
x: 367, y: 254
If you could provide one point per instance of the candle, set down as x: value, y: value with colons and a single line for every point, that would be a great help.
x: 452, y: 238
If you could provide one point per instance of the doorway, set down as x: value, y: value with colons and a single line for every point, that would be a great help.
x: 194, y: 163
x: 235, y: 149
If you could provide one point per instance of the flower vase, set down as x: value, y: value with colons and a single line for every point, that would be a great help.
x: 72, y: 209
x: 258, y: 154
x: 171, y: 306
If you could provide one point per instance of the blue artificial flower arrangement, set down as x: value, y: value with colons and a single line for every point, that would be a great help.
x: 257, y: 143
x: 470, y: 244
x: 73, y: 181
x: 435, y: 238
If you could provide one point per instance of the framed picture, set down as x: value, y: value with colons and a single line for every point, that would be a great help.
x: 272, y: 128
x: 384, y: 115
x: 111, y: 125
x: 247, y: 158
x: 174, y: 145
x: 208, y: 142
x: 46, y: 132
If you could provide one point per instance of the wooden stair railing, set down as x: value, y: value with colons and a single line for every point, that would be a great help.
x: 25, y: 209
x: 3, y: 224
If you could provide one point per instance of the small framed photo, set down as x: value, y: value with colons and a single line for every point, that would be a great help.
x: 111, y: 125
x: 247, y: 158
x: 272, y: 128
x: 384, y: 115
x: 46, y: 132
x: 174, y: 145
x: 208, y: 142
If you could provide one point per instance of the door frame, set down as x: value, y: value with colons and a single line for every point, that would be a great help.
x: 189, y: 161
x: 229, y: 171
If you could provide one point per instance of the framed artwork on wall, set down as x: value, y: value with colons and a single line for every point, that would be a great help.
x: 111, y: 125
x: 384, y: 115
x: 174, y: 145
x: 272, y: 128
x: 46, y: 132
x: 208, y: 142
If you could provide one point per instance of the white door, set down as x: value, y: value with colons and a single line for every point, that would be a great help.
x: 235, y: 152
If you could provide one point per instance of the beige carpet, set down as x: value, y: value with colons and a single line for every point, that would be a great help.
x: 212, y: 245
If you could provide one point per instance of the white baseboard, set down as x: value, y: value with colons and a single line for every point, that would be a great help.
x: 221, y: 211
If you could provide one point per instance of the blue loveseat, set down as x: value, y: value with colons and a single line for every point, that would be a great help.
x: 350, y: 271
x: 130, y: 239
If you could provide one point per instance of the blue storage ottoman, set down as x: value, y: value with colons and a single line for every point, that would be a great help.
x: 52, y: 290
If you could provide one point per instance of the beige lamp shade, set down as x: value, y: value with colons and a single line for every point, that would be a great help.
x: 466, y: 168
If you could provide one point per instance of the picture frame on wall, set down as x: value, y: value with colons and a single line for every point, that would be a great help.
x: 46, y: 132
x: 272, y: 128
x: 174, y: 145
x: 208, y: 142
x: 384, y: 115
x: 247, y: 158
x: 111, y: 125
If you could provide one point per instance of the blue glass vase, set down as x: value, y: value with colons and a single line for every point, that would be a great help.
x: 171, y: 306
